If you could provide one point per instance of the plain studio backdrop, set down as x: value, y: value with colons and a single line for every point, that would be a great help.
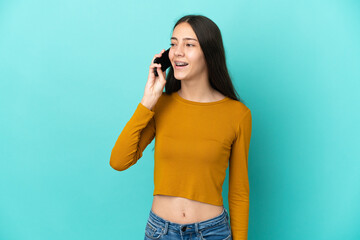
x: 73, y: 72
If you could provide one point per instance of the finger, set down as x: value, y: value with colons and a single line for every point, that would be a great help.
x: 160, y: 73
x: 151, y: 71
x: 162, y: 51
x: 158, y: 55
x: 153, y: 67
x: 158, y: 66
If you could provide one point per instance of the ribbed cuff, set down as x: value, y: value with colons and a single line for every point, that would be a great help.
x: 142, y: 113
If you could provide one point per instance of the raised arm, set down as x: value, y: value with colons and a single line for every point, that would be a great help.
x: 139, y: 131
x: 132, y: 141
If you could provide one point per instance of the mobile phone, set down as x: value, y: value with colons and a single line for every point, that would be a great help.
x: 164, y: 61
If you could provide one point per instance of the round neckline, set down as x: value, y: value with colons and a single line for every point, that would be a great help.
x: 178, y: 97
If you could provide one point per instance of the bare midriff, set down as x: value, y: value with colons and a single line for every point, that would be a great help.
x: 182, y: 210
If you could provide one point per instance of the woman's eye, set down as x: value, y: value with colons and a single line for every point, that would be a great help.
x: 172, y: 44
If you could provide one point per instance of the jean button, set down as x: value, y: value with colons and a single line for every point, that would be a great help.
x: 183, y: 228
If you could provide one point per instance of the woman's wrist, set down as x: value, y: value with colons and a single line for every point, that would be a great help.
x: 148, y: 102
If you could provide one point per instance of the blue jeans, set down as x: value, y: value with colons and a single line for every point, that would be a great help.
x: 217, y: 228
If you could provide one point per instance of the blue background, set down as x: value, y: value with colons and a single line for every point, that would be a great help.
x: 73, y: 72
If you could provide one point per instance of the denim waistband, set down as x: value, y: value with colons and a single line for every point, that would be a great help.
x: 190, y: 227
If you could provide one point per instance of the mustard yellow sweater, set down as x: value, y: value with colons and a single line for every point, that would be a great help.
x: 195, y: 142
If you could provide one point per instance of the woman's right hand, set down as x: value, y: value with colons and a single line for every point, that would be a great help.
x: 155, y: 85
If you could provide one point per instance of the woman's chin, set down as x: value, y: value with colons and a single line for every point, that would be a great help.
x: 179, y: 76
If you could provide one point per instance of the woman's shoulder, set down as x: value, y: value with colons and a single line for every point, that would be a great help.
x: 238, y: 107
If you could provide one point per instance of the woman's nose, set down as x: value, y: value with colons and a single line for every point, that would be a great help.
x: 179, y: 51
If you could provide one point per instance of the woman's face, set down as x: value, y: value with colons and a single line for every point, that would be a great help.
x: 185, y: 47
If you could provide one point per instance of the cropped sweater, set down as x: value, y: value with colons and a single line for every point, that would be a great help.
x: 195, y: 142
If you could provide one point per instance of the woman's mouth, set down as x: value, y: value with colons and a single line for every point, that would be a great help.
x: 181, y: 65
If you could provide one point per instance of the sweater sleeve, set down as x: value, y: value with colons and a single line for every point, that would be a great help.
x: 239, y: 190
x: 138, y: 132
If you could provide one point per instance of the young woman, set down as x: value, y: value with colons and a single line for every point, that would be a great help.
x: 201, y: 128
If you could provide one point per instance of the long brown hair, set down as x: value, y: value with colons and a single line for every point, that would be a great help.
x: 211, y: 43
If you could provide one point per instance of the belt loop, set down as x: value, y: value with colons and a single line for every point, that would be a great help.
x: 196, y: 227
x: 166, y: 227
x: 227, y: 215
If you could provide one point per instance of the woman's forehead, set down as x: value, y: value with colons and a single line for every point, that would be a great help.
x: 183, y: 30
